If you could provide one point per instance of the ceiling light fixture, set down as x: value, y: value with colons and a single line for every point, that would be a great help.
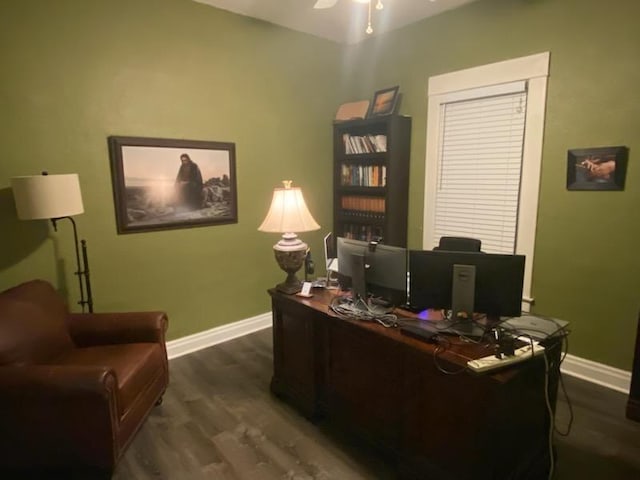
x: 379, y: 6
x: 321, y: 4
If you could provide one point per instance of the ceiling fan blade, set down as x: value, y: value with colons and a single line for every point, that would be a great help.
x: 325, y: 3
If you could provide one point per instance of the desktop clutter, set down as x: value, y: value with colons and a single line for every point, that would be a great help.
x: 438, y: 295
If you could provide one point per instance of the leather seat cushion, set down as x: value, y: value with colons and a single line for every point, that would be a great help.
x: 136, y: 366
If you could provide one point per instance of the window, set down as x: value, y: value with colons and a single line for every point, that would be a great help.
x: 484, y: 146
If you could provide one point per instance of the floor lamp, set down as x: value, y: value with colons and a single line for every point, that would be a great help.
x: 287, y: 214
x: 55, y: 197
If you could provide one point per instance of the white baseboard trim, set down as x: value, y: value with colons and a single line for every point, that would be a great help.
x: 582, y: 368
x: 598, y: 373
x: 198, y: 341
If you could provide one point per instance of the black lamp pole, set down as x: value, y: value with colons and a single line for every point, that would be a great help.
x: 87, y: 279
x: 81, y: 272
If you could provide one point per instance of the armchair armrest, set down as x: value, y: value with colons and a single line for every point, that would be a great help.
x: 53, y: 413
x: 88, y: 329
x: 55, y: 381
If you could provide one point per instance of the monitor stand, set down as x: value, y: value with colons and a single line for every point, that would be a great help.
x: 462, y: 302
x: 332, y: 281
x: 463, y: 290
x: 358, y: 279
x: 466, y: 328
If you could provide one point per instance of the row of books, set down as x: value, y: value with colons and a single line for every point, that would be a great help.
x: 363, y: 204
x: 369, y: 217
x: 364, y: 143
x: 365, y: 233
x: 363, y: 175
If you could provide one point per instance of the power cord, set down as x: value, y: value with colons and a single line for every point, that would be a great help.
x: 358, y: 309
x: 551, y: 415
x: 442, y: 346
x: 548, y: 368
x: 564, y: 332
x: 564, y: 391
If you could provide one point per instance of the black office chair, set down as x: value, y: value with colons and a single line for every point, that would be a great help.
x: 459, y: 244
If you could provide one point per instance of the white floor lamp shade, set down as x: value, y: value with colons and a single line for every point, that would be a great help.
x: 55, y: 197
x: 47, y: 196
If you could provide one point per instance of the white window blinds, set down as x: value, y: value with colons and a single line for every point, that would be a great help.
x: 479, y: 166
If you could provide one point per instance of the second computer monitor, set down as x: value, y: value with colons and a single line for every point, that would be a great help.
x: 498, y: 280
x: 382, y: 267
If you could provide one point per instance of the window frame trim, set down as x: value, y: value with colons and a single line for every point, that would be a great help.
x: 534, y: 69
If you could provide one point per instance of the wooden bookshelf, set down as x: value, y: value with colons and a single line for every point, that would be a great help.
x: 371, y: 179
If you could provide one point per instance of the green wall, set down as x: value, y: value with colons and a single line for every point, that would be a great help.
x: 587, y: 266
x: 74, y: 73
x: 77, y: 72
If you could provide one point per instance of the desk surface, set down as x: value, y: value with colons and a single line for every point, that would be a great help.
x: 453, y: 350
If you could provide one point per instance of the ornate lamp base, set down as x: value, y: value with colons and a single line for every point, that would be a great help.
x: 290, y: 253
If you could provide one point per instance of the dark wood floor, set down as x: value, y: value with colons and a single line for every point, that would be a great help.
x: 219, y: 421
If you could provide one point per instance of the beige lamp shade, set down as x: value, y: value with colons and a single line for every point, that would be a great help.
x: 288, y: 212
x: 47, y: 196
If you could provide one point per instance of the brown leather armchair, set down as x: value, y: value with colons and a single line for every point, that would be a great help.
x: 74, y: 388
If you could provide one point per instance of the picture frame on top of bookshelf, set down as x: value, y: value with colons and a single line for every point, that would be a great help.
x: 371, y: 179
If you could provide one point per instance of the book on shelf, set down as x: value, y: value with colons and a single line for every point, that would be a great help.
x: 365, y: 233
x: 369, y: 143
x: 361, y: 216
x: 363, y: 175
x: 362, y: 203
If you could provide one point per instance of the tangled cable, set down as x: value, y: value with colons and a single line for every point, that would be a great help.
x: 359, y: 309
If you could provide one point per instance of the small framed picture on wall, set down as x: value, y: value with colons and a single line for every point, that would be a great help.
x: 600, y: 168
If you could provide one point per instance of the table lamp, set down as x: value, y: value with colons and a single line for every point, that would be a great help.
x: 55, y: 197
x: 287, y: 214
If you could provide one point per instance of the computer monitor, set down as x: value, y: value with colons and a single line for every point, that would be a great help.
x: 497, y: 280
x: 351, y: 266
x: 386, y: 274
x: 374, y: 269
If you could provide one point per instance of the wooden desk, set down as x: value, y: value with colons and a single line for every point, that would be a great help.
x: 387, y: 389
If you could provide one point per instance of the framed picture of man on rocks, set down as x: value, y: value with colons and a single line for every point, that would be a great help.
x: 161, y: 184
